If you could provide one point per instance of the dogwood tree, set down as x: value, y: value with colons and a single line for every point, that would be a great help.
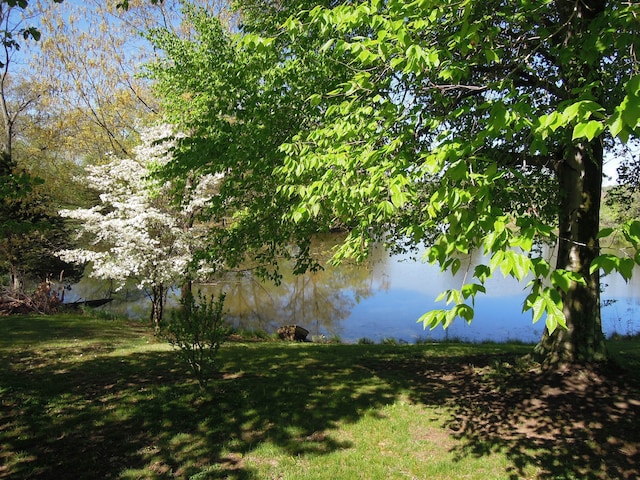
x: 136, y: 231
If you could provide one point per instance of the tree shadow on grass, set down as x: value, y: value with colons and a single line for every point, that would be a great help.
x: 141, y: 416
x: 573, y: 423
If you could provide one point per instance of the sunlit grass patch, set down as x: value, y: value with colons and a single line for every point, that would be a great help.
x: 401, y: 440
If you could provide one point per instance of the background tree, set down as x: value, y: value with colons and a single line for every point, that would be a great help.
x: 622, y: 201
x: 88, y: 57
x: 135, y: 232
x: 67, y: 99
x: 473, y: 125
x: 29, y: 229
x: 238, y: 133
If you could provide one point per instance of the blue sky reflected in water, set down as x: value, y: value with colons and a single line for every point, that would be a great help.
x: 394, y: 313
x: 412, y: 287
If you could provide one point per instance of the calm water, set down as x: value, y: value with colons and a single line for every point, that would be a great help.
x: 383, y: 299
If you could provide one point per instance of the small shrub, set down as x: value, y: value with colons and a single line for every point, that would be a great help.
x: 249, y: 334
x: 197, y: 330
x: 98, y: 313
x: 365, y: 341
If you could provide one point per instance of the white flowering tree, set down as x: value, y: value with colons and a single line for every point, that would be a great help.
x: 137, y: 231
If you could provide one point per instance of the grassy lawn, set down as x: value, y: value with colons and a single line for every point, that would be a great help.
x: 90, y: 398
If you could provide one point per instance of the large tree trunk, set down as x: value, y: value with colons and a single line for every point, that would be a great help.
x: 580, y: 180
x: 580, y: 185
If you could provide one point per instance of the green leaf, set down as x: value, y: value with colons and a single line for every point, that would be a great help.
x: 397, y: 62
x: 387, y: 208
x: 553, y: 308
x: 367, y: 57
x: 454, y: 297
x: 605, y: 262
x: 590, y: 130
x: 455, y: 266
x: 482, y: 272
x: 434, y: 58
x: 442, y: 296
x: 631, y: 111
x: 626, y: 116
x: 625, y: 268
x: 398, y: 196
x: 472, y: 289
x: 609, y: 263
x: 491, y: 56
x: 327, y: 45
x: 536, y: 303
x: 605, y: 232
x: 548, y: 302
x: 581, y: 111
x: 633, y: 86
x: 433, y: 318
x: 551, y: 121
x: 300, y: 215
x: 315, y: 99
x: 458, y: 171
x: 631, y: 231
x: 564, y: 278
x: 449, y: 317
x: 616, y: 124
x: 634, y: 229
x: 518, y: 264
x: 464, y: 311
x: 541, y: 267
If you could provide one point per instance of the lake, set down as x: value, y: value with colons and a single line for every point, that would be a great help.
x: 381, y: 299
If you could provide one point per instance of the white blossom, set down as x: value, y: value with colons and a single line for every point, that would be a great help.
x: 136, y: 232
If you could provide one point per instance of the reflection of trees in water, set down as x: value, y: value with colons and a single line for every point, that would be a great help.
x: 319, y: 301
x: 128, y: 301
x: 323, y: 301
x: 249, y: 303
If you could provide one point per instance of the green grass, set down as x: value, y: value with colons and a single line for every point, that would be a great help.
x: 91, y: 398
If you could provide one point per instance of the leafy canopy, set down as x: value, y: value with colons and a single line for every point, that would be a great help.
x: 453, y: 121
x: 437, y: 122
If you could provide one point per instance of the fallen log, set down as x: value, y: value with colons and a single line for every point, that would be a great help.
x: 88, y: 303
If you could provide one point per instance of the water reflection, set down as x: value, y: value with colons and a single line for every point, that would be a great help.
x: 382, y: 299
x: 321, y: 301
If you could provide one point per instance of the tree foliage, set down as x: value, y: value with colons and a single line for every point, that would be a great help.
x: 88, y: 60
x: 238, y: 133
x: 136, y: 232
x: 29, y: 227
x: 464, y: 125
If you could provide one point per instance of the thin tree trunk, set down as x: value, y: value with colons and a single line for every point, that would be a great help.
x: 16, y: 278
x: 157, y: 306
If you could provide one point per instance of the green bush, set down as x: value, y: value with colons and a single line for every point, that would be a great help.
x: 197, y: 330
